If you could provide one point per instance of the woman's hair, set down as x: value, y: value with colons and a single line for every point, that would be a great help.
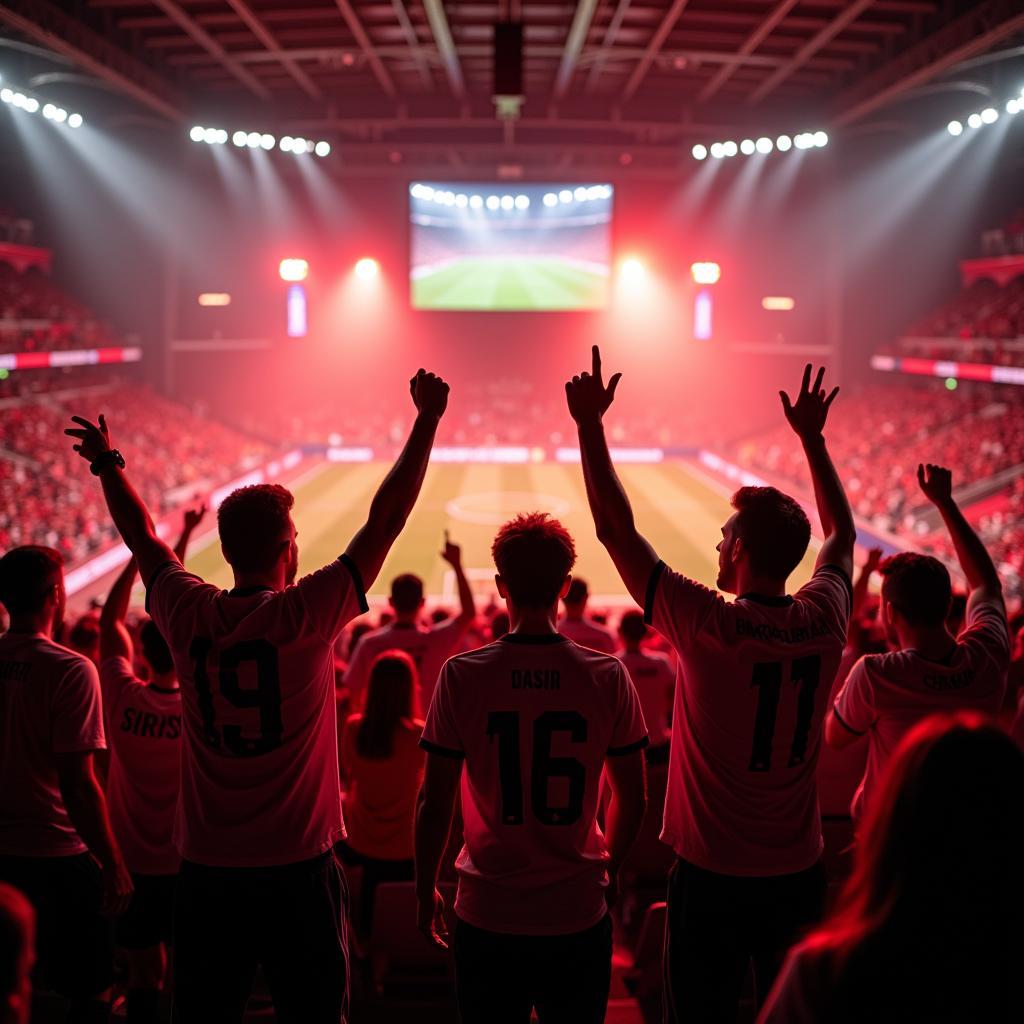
x: 931, y: 912
x: 391, y: 697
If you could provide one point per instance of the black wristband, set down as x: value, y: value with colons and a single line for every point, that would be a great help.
x: 112, y: 457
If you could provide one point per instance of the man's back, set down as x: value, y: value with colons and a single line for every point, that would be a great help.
x: 49, y: 704
x: 260, y: 779
x: 751, y: 694
x: 534, y: 717
x: 885, y: 695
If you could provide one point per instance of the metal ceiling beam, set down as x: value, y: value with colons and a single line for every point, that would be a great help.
x: 203, y: 38
x: 47, y: 25
x: 966, y: 37
x: 668, y: 23
x: 355, y: 26
x: 266, y: 37
x: 751, y: 43
x: 573, y: 46
x: 409, y: 31
x: 607, y: 41
x: 848, y: 14
x: 445, y: 45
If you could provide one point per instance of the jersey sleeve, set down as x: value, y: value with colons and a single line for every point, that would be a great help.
x: 77, y: 711
x: 987, y: 626
x: 676, y: 606
x: 171, y: 597
x: 831, y: 592
x: 116, y: 676
x: 855, y: 703
x: 331, y: 597
x: 629, y: 734
x: 440, y: 731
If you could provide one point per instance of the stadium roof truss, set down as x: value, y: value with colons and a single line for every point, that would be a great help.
x: 601, y: 78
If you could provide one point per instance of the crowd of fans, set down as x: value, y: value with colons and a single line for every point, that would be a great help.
x: 983, y: 310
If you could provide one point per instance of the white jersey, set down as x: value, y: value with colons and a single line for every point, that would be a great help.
x: 655, y: 680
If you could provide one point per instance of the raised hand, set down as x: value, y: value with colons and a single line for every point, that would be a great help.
x: 93, y: 440
x: 936, y: 483
x: 430, y: 919
x: 586, y: 393
x: 873, y: 561
x: 452, y: 553
x: 430, y: 393
x: 194, y: 516
x: 808, y: 413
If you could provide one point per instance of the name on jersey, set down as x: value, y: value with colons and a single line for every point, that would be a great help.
x: 148, y: 724
x: 768, y: 633
x: 19, y: 671
x: 955, y: 681
x: 536, y: 679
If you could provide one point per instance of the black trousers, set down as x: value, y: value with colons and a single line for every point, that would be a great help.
x: 499, y: 978
x: 717, y: 925
x: 290, y: 920
x: 375, y: 872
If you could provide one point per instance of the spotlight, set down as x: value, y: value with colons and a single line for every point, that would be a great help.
x: 717, y: 151
x: 565, y: 196
x: 974, y: 121
x: 631, y: 269
x: 820, y: 139
x: 955, y: 128
x: 461, y: 201
x: 60, y: 115
x: 1013, y: 106
x: 210, y: 136
x: 252, y: 140
x: 493, y: 202
x: 367, y: 268
x: 550, y: 199
x: 322, y: 148
x: 300, y: 146
x: 286, y: 145
x: 729, y: 148
x: 293, y: 269
x: 522, y: 202
x: 48, y: 111
x: 239, y: 139
x: 747, y: 147
x: 6, y: 95
x: 19, y: 99
x: 476, y: 202
x: 196, y: 135
x: 706, y: 272
x: 804, y: 140
x: 699, y: 152
x: 989, y: 115
x: 783, y: 143
x: 579, y: 194
x: 74, y: 120
x: 267, y: 141
x: 31, y: 104
x: 595, y: 192
x: 764, y: 145
x: 507, y: 202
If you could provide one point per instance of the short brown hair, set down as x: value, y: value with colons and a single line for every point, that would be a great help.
x: 26, y: 576
x: 533, y: 554
x: 406, y: 592
x: 918, y: 586
x: 774, y: 529
x: 252, y: 522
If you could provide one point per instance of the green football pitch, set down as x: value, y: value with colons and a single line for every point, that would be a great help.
x: 678, y: 508
x: 510, y: 284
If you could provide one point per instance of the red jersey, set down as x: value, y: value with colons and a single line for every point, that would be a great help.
x: 50, y: 704
x: 534, y: 718
x: 144, y: 727
x: 886, y: 695
x: 259, y: 781
x: 752, y: 688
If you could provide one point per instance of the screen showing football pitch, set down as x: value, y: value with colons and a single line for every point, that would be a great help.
x: 532, y: 247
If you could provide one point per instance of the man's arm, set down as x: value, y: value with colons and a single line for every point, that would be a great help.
x: 807, y: 416
x: 452, y: 554
x: 633, y: 556
x: 838, y: 735
x: 130, y: 515
x: 396, y: 496
x: 192, y: 518
x: 87, y: 810
x: 628, y: 778
x: 115, y: 641
x: 861, y: 584
x: 435, y: 806
x: 982, y: 578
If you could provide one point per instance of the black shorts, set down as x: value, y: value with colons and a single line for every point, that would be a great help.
x: 499, y: 978
x: 291, y: 920
x: 147, y: 921
x: 74, y: 940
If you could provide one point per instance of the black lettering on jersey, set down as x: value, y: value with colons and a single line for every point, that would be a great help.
x: 16, y: 671
x: 128, y: 720
x: 768, y: 633
x: 538, y: 679
x: 956, y: 681
x: 147, y: 725
x: 172, y: 729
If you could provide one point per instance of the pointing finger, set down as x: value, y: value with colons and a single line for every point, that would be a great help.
x: 819, y: 379
x: 805, y: 384
x: 595, y: 354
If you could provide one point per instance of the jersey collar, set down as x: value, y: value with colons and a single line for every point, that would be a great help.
x: 535, y: 638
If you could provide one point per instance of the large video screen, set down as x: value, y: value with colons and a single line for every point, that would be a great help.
x: 531, y: 247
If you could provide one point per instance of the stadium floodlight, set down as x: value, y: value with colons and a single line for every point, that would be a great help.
x: 974, y: 121
x: 48, y: 111
x: 285, y: 145
x: 476, y: 202
x: 508, y: 202
x: 783, y: 143
x: 764, y: 144
x: 565, y: 196
x: 293, y: 269
x: 322, y: 148
x: 699, y: 152
x: 579, y: 194
x: 804, y: 140
x: 461, y: 201
x: 747, y: 147
x: 60, y: 116
x: 210, y: 136
x: 74, y: 120
x: 716, y: 151
x: 196, y: 134
x: 31, y: 104
x: 730, y: 148
x: 522, y: 202
x: 820, y: 139
x: 19, y: 99
x: 299, y: 146
x: 955, y: 128
x: 239, y: 139
x: 6, y: 95
x: 595, y: 192
x: 1013, y: 106
x: 631, y: 269
x: 267, y: 141
x: 989, y: 115
x: 493, y: 202
x: 706, y: 272
x: 550, y: 199
x: 367, y: 268
x: 252, y: 140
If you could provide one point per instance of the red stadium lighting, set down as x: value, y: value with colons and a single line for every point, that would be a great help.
x: 293, y: 270
x: 632, y: 269
x: 706, y: 273
x: 367, y: 268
